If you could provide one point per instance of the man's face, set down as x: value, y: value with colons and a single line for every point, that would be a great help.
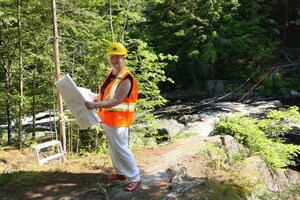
x: 117, y: 61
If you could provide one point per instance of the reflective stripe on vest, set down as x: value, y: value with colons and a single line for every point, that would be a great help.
x: 115, y: 85
x: 122, y: 107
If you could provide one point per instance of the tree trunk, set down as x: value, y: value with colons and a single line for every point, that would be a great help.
x: 8, y: 85
x: 21, y: 77
x: 33, y: 103
x: 57, y: 76
x: 5, y: 64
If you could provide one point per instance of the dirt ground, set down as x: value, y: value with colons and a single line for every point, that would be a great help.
x: 83, y: 178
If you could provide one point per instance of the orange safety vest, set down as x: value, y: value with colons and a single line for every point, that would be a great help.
x: 122, y: 114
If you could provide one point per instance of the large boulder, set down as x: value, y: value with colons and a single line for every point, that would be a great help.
x: 168, y: 129
x: 266, y: 178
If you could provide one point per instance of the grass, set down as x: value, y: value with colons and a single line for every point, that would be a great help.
x: 23, y: 169
x: 290, y: 192
x: 25, y: 178
x: 218, y: 190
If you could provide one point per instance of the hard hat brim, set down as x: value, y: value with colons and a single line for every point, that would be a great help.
x: 114, y: 53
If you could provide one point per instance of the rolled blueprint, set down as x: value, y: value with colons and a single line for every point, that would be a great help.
x: 74, y: 97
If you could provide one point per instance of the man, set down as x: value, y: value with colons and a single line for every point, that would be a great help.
x: 115, y: 105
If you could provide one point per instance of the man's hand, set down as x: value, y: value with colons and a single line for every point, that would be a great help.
x: 90, y: 105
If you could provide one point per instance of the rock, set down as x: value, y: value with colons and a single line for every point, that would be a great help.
x: 215, y: 87
x: 180, y: 184
x: 266, y: 178
x: 168, y: 129
x: 231, y: 145
x: 295, y: 93
x: 199, y: 128
x: 186, y: 119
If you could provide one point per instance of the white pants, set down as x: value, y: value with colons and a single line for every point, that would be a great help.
x: 122, y: 158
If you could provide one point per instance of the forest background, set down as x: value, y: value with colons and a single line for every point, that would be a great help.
x: 173, y: 46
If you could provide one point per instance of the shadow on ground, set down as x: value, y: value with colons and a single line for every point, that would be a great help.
x: 94, y: 186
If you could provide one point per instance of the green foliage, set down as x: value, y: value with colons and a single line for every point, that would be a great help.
x: 272, y: 85
x: 91, y: 140
x: 83, y: 42
x: 1, y: 137
x: 143, y: 131
x: 181, y: 42
x: 84, y: 34
x: 211, y: 38
x: 289, y: 192
x: 149, y: 72
x: 215, y: 155
x: 226, y: 190
x: 183, y: 136
x: 276, y: 123
x: 262, y: 137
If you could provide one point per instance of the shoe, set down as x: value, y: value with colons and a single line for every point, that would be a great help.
x: 133, y: 185
x: 114, y: 177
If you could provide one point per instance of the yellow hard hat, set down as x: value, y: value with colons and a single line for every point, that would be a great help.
x: 117, y: 48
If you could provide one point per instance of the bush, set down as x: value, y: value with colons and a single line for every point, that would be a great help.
x: 262, y: 137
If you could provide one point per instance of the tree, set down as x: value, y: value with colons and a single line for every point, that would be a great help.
x: 213, y: 39
x: 25, y: 50
x: 84, y: 37
x: 21, y: 75
x: 8, y: 51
